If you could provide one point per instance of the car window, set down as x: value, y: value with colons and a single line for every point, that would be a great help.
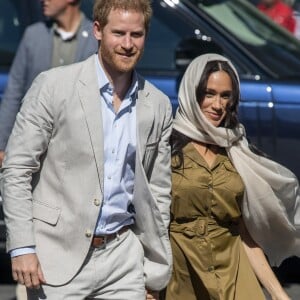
x: 10, y: 31
x: 169, y: 28
x: 163, y: 38
x: 267, y: 41
x: 87, y: 8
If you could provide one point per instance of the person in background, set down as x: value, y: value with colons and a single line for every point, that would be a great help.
x: 280, y: 12
x: 229, y: 205
x: 296, y: 10
x: 86, y: 177
x: 64, y: 37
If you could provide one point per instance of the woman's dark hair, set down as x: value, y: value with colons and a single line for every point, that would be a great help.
x: 231, y: 119
x: 178, y: 141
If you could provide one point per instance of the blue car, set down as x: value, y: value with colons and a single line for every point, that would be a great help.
x: 267, y: 58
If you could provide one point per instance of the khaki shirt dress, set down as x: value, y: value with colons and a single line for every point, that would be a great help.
x: 209, y: 259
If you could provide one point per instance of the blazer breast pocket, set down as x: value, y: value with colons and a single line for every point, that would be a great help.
x: 151, y: 150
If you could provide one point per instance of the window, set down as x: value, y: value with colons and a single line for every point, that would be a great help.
x: 10, y: 32
x: 166, y: 31
x: 266, y: 41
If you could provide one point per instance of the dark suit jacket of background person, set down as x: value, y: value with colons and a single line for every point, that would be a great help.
x: 34, y: 55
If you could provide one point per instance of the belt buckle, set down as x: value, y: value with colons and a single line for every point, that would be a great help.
x: 201, y: 227
x: 103, y: 244
x: 104, y: 241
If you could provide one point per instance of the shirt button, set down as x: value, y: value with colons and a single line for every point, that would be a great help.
x: 97, y: 202
x: 109, y: 177
x: 88, y: 233
x: 210, y: 187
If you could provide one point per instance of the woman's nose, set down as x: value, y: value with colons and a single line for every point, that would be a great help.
x: 217, y: 102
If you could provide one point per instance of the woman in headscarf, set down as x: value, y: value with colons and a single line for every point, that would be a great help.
x: 230, y: 206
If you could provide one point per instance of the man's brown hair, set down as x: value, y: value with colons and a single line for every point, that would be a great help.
x: 102, y: 8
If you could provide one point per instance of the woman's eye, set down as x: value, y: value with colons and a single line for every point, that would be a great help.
x: 209, y: 95
x: 226, y: 97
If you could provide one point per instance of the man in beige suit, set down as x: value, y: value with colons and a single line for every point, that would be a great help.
x: 86, y: 178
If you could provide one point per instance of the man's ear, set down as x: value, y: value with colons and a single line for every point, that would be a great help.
x: 97, y: 30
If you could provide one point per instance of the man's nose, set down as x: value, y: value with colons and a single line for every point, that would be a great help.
x: 127, y: 42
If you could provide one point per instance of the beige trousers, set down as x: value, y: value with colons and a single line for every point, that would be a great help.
x: 111, y: 273
x: 21, y: 292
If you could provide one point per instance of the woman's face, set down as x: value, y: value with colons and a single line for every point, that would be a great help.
x: 217, y: 96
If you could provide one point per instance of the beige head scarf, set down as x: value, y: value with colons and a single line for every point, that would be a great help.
x: 271, y: 204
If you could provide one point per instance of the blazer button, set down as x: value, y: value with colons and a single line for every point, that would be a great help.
x: 97, y: 202
x: 88, y: 233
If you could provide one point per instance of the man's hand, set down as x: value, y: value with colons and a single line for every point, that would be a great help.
x: 152, y: 295
x: 26, y: 270
x: 1, y: 157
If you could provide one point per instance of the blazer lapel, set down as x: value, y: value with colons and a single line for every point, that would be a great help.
x: 145, y: 117
x: 90, y: 100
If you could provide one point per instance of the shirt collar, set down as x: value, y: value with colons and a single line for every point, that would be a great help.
x: 106, y: 86
x: 191, y: 152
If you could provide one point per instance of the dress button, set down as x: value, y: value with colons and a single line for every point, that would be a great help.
x: 97, y: 202
x: 88, y: 233
x: 211, y: 269
x: 210, y: 187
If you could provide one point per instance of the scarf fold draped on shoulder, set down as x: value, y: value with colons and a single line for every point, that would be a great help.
x: 271, y: 203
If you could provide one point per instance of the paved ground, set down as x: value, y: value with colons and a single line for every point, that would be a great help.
x: 7, y: 292
x: 288, y: 274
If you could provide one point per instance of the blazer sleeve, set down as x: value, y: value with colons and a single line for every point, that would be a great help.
x: 28, y: 141
x: 160, y: 180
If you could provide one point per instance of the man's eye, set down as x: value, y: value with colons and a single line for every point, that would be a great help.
x: 137, y: 35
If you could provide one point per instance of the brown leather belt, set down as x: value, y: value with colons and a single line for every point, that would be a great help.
x: 100, y: 240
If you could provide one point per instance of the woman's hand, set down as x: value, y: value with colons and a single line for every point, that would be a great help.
x: 152, y: 295
x: 281, y: 296
x: 261, y: 267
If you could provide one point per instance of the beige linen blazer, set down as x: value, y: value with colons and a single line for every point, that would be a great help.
x: 52, y: 176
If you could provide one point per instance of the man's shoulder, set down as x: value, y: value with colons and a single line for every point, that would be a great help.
x: 86, y: 22
x: 70, y: 72
x: 156, y: 98
x: 148, y: 87
x: 37, y: 28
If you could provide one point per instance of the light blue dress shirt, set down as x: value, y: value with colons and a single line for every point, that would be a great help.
x: 119, y: 130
